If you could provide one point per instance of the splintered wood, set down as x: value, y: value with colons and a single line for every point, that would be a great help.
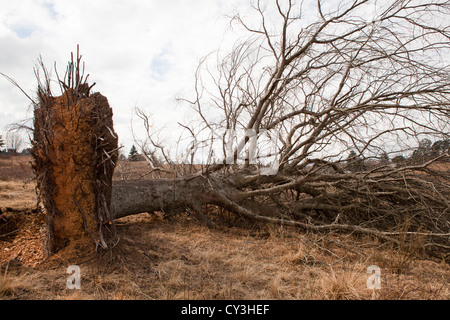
x: 27, y: 245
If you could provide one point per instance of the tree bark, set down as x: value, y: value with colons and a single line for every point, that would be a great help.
x: 170, y: 196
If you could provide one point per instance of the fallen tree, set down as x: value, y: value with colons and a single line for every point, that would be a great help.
x: 379, y: 206
x: 343, y: 92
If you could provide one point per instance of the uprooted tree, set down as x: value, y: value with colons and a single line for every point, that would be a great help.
x: 74, y: 151
x: 341, y: 88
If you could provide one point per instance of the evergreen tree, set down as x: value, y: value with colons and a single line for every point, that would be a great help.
x: 384, y: 160
x: 355, y: 163
x: 440, y: 147
x: 133, y: 155
x: 423, y: 151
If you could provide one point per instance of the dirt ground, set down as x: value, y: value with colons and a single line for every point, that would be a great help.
x: 182, y: 259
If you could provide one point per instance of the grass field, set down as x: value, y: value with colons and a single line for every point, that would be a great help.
x: 182, y: 259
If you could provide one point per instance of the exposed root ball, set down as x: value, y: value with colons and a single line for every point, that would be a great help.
x: 75, y: 151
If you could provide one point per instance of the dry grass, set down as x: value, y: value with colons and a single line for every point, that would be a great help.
x: 6, y: 288
x: 15, y: 168
x: 17, y: 194
x: 179, y: 260
x: 182, y: 259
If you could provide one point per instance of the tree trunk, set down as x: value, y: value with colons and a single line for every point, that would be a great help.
x: 166, y: 195
x: 267, y: 199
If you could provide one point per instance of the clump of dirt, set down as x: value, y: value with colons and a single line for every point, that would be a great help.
x: 74, y: 151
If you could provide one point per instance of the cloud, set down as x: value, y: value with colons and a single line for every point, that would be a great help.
x: 140, y: 53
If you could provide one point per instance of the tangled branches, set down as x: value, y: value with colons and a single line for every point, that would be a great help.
x: 344, y: 89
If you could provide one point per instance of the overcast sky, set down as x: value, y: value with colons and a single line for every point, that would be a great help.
x: 140, y: 53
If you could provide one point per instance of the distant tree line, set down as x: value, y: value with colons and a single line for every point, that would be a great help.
x: 425, y: 151
x: 428, y: 150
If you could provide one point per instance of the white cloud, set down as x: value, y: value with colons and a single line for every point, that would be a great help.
x: 140, y: 53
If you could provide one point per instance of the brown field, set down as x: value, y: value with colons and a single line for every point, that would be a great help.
x: 182, y: 259
x: 15, y: 168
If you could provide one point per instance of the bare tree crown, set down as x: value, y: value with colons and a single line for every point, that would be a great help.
x: 347, y: 88
x: 367, y: 76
